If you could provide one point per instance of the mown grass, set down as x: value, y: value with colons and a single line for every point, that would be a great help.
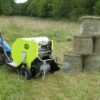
x: 59, y: 86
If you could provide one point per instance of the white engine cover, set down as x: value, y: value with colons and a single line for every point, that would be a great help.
x: 39, y: 40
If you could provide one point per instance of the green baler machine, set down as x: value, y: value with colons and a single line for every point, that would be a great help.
x: 33, y: 57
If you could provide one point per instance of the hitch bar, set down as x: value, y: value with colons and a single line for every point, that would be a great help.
x: 45, y: 60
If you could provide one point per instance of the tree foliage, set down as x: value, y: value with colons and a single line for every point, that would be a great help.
x: 97, y: 8
x: 6, y: 7
x: 70, y: 9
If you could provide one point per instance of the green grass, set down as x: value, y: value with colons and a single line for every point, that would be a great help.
x: 58, y: 86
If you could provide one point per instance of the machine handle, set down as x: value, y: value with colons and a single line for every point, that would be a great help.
x: 45, y: 60
x: 48, y: 60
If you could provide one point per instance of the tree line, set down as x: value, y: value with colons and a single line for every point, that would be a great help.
x: 70, y: 9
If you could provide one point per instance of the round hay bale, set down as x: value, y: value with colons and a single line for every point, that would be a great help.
x: 97, y: 44
x: 89, y: 17
x: 92, y: 62
x: 83, y: 45
x: 73, y: 62
x: 90, y: 25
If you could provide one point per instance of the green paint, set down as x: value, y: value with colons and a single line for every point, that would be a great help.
x: 28, y: 46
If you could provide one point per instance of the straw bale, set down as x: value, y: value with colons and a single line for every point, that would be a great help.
x: 92, y: 62
x: 73, y: 62
x: 97, y: 44
x: 90, y: 26
x: 83, y: 45
x: 89, y: 17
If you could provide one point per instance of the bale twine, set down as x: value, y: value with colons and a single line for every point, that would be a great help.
x: 90, y: 25
x: 92, y: 62
x: 73, y: 62
x: 83, y: 45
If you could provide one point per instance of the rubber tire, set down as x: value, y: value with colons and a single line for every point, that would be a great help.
x: 2, y: 62
x: 26, y: 73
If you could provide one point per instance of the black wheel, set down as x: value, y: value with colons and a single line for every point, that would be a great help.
x: 35, y: 68
x: 26, y: 73
x: 2, y: 62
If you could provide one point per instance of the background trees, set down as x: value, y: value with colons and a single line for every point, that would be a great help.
x: 70, y: 9
x: 97, y: 8
x: 6, y: 7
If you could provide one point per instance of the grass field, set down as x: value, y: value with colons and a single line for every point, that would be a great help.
x: 58, y: 86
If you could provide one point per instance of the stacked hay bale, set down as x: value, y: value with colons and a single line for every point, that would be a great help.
x: 86, y: 47
x: 83, y: 45
x: 90, y: 25
x: 73, y: 62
